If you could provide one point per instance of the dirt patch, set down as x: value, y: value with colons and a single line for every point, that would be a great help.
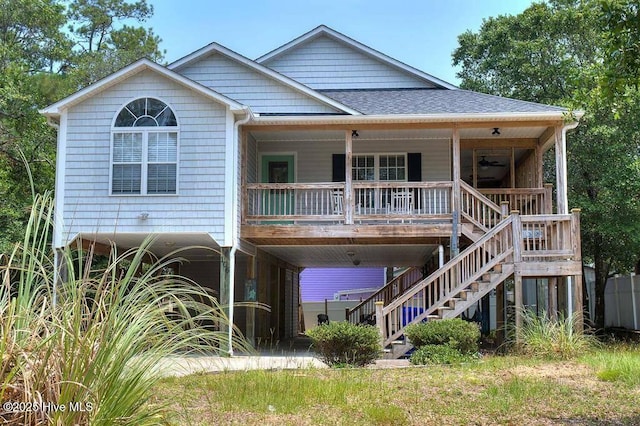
x: 568, y: 373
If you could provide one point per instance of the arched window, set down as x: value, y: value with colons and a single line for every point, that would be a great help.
x: 144, y: 149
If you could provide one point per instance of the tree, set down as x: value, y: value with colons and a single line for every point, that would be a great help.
x: 553, y: 53
x: 103, y: 44
x: 48, y: 51
x: 621, y: 21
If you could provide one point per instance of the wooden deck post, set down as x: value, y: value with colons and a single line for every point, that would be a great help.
x: 517, y: 293
x: 553, y: 298
x: 250, y: 318
x: 577, y: 279
x: 380, y: 321
x: 348, y: 179
x: 500, y: 313
x: 226, y: 295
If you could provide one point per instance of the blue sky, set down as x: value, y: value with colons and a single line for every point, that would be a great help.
x: 422, y: 34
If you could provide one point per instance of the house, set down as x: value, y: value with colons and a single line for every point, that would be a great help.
x: 319, y: 153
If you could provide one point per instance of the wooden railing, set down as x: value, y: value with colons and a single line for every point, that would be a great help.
x: 548, y: 238
x: 526, y: 200
x: 532, y: 239
x: 314, y: 202
x: 407, y: 200
x: 434, y: 291
x: 365, y: 310
x: 478, y: 209
x: 295, y: 201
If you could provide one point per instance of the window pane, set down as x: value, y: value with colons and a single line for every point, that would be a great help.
x: 370, y: 160
x: 146, y: 121
x: 392, y: 174
x: 167, y: 118
x: 127, y: 147
x: 125, y: 118
x: 401, y: 161
x: 163, y: 147
x: 383, y: 161
x: 126, y: 178
x: 383, y: 174
x: 154, y: 107
x: 161, y: 179
x: 401, y: 174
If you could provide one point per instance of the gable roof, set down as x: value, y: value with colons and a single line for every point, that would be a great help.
x: 218, y: 48
x: 323, y: 30
x: 55, y: 109
x: 433, y: 101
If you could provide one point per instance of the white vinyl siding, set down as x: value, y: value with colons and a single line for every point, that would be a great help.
x: 314, y: 159
x: 88, y: 205
x: 324, y: 63
x: 249, y: 87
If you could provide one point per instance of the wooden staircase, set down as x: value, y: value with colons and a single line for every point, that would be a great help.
x: 460, y: 283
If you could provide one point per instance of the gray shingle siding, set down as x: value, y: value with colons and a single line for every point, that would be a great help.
x: 432, y: 101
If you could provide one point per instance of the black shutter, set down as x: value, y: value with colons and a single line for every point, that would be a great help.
x: 339, y: 174
x: 414, y: 167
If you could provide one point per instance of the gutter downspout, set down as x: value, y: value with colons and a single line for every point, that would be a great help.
x: 234, y: 231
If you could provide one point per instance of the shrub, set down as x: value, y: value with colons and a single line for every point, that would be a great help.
x: 454, y: 332
x: 551, y: 338
x: 96, y: 337
x: 437, y: 354
x: 343, y: 343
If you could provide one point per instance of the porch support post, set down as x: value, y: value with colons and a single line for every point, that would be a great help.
x: 539, y: 166
x: 553, y: 298
x: 517, y: 293
x: 500, y: 313
x: 577, y: 279
x: 250, y: 334
x: 561, y: 170
x: 455, y: 139
x: 379, y: 305
x: 348, y: 181
x: 227, y: 266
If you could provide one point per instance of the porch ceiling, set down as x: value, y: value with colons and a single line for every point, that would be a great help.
x: 191, y: 246
x: 367, y: 255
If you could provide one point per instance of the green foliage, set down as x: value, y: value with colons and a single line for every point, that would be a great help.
x: 554, y: 52
x: 438, y: 354
x: 552, y: 338
x: 621, y: 22
x: 455, y: 332
x: 97, y: 336
x: 343, y: 343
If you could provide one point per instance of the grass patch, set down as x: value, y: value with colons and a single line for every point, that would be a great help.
x: 496, y: 390
x: 621, y: 363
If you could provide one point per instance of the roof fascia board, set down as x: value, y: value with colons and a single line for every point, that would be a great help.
x: 421, y: 118
x: 324, y: 30
x: 299, y: 87
x: 131, y: 70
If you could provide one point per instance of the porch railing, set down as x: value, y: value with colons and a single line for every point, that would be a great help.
x: 528, y: 201
x: 317, y: 202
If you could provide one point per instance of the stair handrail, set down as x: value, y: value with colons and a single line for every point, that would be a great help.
x: 477, y: 208
x: 498, y: 241
x: 367, y: 307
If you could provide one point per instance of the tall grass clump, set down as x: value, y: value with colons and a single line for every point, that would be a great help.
x: 552, y: 338
x: 617, y: 363
x: 91, y: 340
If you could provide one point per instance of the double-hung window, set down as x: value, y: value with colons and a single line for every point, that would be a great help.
x: 379, y: 167
x: 144, y: 154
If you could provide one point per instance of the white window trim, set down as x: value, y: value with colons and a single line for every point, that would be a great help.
x: 145, y: 158
x: 376, y: 164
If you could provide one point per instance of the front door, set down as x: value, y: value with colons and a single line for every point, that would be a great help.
x: 278, y: 169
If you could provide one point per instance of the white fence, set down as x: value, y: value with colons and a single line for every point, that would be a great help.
x: 622, y: 302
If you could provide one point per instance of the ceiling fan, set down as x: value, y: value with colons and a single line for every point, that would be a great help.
x: 484, y: 163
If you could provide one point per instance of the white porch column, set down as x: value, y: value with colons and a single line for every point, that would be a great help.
x: 348, y: 190
x: 561, y: 170
x: 455, y: 140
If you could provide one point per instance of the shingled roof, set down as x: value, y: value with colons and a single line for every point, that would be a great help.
x: 432, y: 101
